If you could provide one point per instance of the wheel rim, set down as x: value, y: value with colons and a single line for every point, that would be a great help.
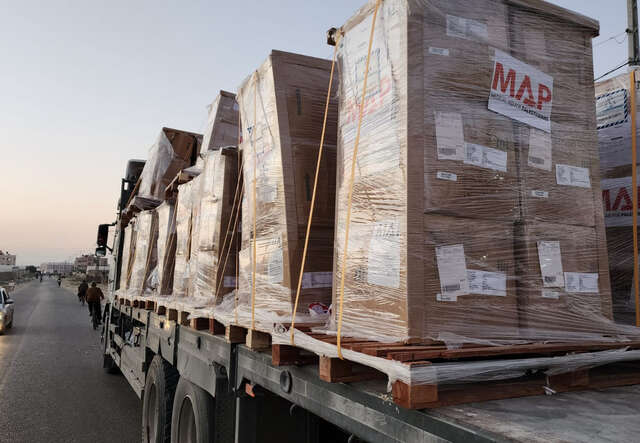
x: 151, y: 418
x: 187, y: 423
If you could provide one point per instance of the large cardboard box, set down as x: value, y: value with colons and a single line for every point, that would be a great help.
x: 214, y: 240
x: 173, y: 151
x: 563, y: 288
x: 453, y: 105
x: 282, y: 109
x: 222, y: 124
x: 144, y: 257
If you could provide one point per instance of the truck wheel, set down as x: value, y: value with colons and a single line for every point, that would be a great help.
x: 192, y: 416
x: 159, y: 389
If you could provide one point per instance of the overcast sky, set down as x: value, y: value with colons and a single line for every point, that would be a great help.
x: 86, y: 85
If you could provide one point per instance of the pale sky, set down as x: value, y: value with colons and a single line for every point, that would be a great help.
x: 86, y: 85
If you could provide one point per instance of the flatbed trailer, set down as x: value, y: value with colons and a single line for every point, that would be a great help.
x: 245, y: 398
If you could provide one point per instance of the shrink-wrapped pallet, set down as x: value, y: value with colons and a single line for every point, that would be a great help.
x: 145, y: 257
x: 184, y: 224
x: 282, y: 109
x: 166, y: 246
x: 222, y: 124
x: 478, y: 120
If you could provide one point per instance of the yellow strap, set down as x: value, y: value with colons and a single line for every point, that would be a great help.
x: 313, y: 195
x: 634, y: 187
x: 240, y: 177
x: 351, y: 180
x: 253, y: 192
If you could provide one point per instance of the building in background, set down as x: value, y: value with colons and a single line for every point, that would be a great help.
x: 7, y: 259
x: 82, y: 262
x: 62, y: 268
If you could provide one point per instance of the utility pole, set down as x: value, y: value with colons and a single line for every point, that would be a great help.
x: 632, y: 32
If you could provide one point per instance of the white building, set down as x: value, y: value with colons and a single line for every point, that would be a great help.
x: 7, y: 259
x: 63, y: 268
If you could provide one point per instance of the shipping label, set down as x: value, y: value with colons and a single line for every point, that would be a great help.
x: 550, y: 293
x: 485, y: 157
x: 539, y: 194
x: 539, y: 150
x: 582, y: 282
x: 452, y: 269
x: 550, y: 258
x: 567, y: 175
x: 487, y: 283
x: 385, y: 249
x: 439, y: 51
x: 449, y: 136
x: 612, y: 109
x: 317, y: 280
x: 521, y: 92
x: 450, y: 176
x: 466, y: 28
x: 446, y: 297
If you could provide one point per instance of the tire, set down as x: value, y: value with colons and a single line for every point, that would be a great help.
x: 192, y: 419
x: 159, y: 390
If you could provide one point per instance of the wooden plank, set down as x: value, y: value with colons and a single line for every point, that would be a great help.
x: 215, y: 327
x: 199, y: 323
x: 257, y: 340
x: 235, y: 334
x: 334, y: 370
x: 413, y: 397
x: 287, y: 355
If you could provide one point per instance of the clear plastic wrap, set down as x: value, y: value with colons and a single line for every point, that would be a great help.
x: 128, y: 253
x: 183, y: 239
x: 282, y: 107
x: 613, y: 113
x: 476, y: 201
x: 173, y: 150
x: 215, y: 270
x: 222, y: 124
x: 145, y: 259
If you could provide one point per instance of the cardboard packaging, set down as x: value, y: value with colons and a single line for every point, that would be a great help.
x: 282, y: 109
x: 173, y: 151
x: 166, y: 246
x: 458, y: 101
x: 222, y: 124
x: 215, y: 267
x: 563, y: 288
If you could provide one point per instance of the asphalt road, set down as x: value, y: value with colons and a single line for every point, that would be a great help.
x: 52, y: 385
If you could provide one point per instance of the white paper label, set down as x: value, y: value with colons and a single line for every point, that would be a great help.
x: 549, y: 293
x: 485, y: 157
x: 317, y: 280
x: 449, y: 136
x: 539, y: 194
x: 612, y: 108
x: 550, y: 258
x: 583, y: 282
x: 452, y: 269
x: 275, y: 266
x: 383, y: 267
x: 229, y: 281
x: 521, y: 92
x: 487, y: 283
x: 466, y: 28
x: 439, y: 51
x: 572, y: 176
x: 447, y: 176
x: 446, y: 297
x: 539, y: 150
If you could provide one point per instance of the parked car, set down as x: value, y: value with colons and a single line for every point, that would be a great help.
x: 6, y: 311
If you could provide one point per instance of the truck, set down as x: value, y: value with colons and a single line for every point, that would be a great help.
x: 203, y: 383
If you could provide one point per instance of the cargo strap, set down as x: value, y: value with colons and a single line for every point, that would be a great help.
x: 313, y: 195
x: 253, y: 198
x: 634, y: 187
x: 351, y: 180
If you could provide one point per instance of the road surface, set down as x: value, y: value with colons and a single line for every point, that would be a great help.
x: 52, y: 385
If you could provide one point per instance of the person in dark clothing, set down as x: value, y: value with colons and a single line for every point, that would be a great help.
x: 94, y: 295
x: 82, y: 291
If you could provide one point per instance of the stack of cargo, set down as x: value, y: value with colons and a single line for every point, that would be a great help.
x: 475, y: 210
x: 166, y: 246
x: 282, y: 109
x: 144, y: 257
x: 614, y: 137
